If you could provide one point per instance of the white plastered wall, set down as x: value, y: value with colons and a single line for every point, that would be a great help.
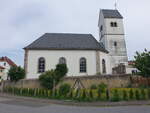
x: 52, y: 58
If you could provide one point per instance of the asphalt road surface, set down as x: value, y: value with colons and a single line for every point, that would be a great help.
x: 10, y: 105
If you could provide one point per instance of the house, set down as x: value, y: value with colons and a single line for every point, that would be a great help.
x: 82, y: 53
x: 1, y: 71
x: 5, y: 65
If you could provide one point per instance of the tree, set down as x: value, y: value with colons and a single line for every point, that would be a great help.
x: 16, y: 73
x: 50, y: 78
x: 142, y: 63
x: 47, y: 79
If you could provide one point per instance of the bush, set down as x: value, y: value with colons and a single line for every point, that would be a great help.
x: 131, y: 94
x: 50, y: 78
x: 102, y: 87
x: 143, y: 94
x: 64, y: 89
x: 47, y: 79
x: 148, y: 93
x: 137, y: 95
x: 116, y: 96
x: 90, y: 94
x: 16, y: 73
x: 84, y: 96
x: 125, y: 96
x: 93, y: 86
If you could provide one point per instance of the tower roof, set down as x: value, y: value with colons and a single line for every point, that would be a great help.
x: 109, y: 13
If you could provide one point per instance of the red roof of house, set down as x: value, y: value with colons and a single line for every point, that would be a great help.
x: 9, y: 61
x: 2, y: 67
x: 131, y: 62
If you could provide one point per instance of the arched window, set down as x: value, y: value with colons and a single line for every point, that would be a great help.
x: 41, y: 65
x: 62, y: 60
x: 115, y: 24
x: 115, y: 43
x: 82, y: 65
x: 112, y: 24
x: 103, y: 66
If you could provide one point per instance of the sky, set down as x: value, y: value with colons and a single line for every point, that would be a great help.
x: 23, y: 21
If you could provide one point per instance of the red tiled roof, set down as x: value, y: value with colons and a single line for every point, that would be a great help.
x: 2, y: 67
x: 131, y: 62
x: 9, y: 61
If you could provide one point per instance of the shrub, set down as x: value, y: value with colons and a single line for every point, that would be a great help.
x: 131, y: 94
x: 84, y: 94
x: 99, y: 94
x: 50, y: 78
x: 90, y: 94
x: 61, y: 70
x: 116, y: 96
x: 47, y: 79
x: 93, y: 86
x: 102, y: 87
x: 137, y: 95
x: 125, y: 96
x: 148, y: 93
x: 143, y: 94
x: 16, y: 73
x: 64, y: 89
x: 71, y: 94
x: 107, y: 94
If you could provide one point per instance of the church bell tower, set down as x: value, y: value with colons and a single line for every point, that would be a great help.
x: 111, y: 32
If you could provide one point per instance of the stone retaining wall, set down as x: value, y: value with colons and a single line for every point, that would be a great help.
x: 25, y: 83
x: 112, y: 81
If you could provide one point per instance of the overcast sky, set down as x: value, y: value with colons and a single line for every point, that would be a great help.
x: 23, y: 21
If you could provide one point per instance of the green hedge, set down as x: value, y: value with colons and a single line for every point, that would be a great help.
x: 114, y: 94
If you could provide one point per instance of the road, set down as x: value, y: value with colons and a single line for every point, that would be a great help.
x: 10, y: 105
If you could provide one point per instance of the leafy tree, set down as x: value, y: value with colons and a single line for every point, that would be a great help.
x: 47, y: 79
x: 50, y: 78
x: 61, y: 70
x: 142, y: 63
x: 16, y: 73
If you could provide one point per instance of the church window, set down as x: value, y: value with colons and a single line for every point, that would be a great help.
x: 62, y: 60
x: 41, y: 65
x: 101, y: 28
x: 115, y: 44
x: 82, y: 65
x: 103, y: 66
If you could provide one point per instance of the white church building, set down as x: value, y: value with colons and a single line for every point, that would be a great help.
x: 82, y: 53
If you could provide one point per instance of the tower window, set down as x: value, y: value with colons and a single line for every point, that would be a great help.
x: 113, y: 24
x: 115, y: 44
x: 103, y: 66
x: 101, y: 28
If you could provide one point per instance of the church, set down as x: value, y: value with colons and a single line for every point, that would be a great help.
x: 82, y: 53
